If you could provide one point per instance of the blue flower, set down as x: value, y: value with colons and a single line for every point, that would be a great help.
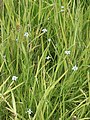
x: 74, y: 68
x: 67, y: 52
x: 44, y: 30
x: 14, y: 78
x: 29, y: 111
x: 49, y: 40
x: 48, y: 57
x: 26, y: 34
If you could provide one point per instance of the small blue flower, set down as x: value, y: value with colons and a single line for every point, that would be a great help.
x: 62, y: 8
x: 44, y: 30
x: 48, y: 57
x: 49, y: 40
x: 67, y: 52
x: 74, y: 68
x: 14, y: 78
x: 29, y: 111
x: 16, y: 39
x: 26, y: 34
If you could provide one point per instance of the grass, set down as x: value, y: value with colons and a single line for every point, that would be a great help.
x: 48, y: 87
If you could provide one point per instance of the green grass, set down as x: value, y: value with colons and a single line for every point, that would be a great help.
x: 49, y: 87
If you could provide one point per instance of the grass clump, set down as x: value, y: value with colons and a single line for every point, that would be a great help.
x: 44, y: 60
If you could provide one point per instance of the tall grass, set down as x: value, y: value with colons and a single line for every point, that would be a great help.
x: 47, y: 88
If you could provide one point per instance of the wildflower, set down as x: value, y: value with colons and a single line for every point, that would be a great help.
x: 48, y: 57
x: 14, y: 78
x: 74, y: 68
x: 44, y: 30
x: 29, y: 111
x: 49, y: 40
x: 26, y: 34
x: 16, y: 39
x: 62, y: 8
x: 67, y: 52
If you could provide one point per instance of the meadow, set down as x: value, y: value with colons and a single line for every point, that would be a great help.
x: 44, y: 60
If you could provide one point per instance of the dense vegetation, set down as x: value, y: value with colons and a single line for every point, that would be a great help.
x: 44, y: 60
